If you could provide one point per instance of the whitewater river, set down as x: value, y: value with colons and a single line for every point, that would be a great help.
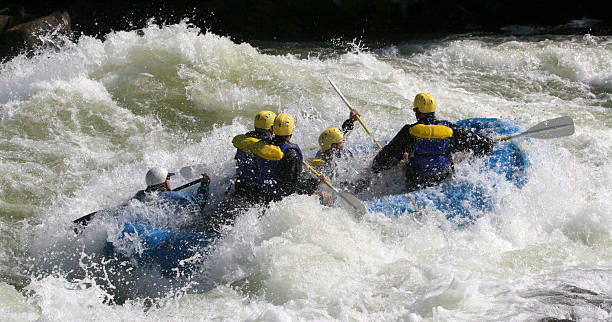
x: 80, y: 127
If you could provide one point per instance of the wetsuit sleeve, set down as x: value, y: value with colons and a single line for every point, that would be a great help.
x: 200, y: 199
x: 348, y: 126
x: 392, y: 153
x: 140, y: 196
x: 307, y: 185
x: 289, y: 173
x: 466, y: 140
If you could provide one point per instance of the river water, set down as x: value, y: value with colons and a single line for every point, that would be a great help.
x: 80, y: 126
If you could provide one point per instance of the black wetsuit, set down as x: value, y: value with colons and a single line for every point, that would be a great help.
x: 290, y: 175
x: 461, y: 140
x: 348, y: 126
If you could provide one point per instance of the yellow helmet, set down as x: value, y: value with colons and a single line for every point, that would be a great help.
x: 329, y: 137
x: 425, y: 103
x: 284, y: 124
x: 264, y: 120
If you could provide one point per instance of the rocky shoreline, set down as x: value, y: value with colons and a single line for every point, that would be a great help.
x: 22, y: 24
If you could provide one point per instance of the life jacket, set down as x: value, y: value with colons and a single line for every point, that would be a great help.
x: 431, y: 154
x: 246, y: 166
x: 268, y: 158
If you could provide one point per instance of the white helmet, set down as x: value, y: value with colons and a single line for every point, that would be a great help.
x: 157, y: 175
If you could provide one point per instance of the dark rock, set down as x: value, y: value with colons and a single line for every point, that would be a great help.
x: 13, y: 10
x: 5, y: 22
x: 16, y: 13
x: 323, y: 20
x: 40, y: 33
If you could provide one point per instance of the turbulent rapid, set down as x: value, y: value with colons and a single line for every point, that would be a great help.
x: 79, y: 128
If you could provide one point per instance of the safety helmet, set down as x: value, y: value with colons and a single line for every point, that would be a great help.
x: 284, y: 124
x: 329, y: 137
x: 157, y: 175
x: 425, y: 103
x: 264, y: 120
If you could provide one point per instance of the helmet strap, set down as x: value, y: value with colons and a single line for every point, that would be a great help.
x: 156, y: 187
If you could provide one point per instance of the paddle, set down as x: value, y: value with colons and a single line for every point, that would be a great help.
x: 83, y: 221
x: 193, y: 171
x: 549, y: 129
x: 358, y: 117
x: 350, y: 202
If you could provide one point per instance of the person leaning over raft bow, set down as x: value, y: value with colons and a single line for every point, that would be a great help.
x: 158, y: 188
x: 246, y: 166
x: 280, y: 164
x: 427, y: 146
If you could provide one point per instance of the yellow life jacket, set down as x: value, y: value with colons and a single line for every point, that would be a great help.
x: 438, y: 131
x: 264, y: 149
x: 243, y: 142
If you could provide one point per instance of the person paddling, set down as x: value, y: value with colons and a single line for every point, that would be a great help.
x: 280, y: 164
x: 246, y: 187
x: 333, y: 147
x: 334, y: 152
x: 246, y: 167
x: 427, y: 145
x: 277, y: 169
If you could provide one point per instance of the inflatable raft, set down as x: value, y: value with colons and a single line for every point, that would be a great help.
x: 171, y: 251
x: 462, y: 200
x: 175, y: 251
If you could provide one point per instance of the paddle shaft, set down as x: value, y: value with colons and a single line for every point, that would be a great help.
x: 358, y: 117
x: 87, y: 218
x: 187, y: 185
x: 318, y: 175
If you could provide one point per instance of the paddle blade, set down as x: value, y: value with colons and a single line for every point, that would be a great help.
x: 193, y: 171
x: 353, y: 205
x: 80, y: 223
x: 83, y: 221
x: 550, y: 129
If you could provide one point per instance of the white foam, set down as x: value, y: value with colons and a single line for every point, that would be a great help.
x: 80, y: 128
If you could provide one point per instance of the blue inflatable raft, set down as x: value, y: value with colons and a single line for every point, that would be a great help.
x: 463, y: 200
x: 175, y: 251
x: 172, y: 251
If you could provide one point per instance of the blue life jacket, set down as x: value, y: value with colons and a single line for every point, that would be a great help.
x: 246, y: 167
x: 431, y: 154
x: 267, y: 174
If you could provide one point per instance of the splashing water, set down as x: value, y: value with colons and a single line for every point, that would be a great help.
x: 80, y: 127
